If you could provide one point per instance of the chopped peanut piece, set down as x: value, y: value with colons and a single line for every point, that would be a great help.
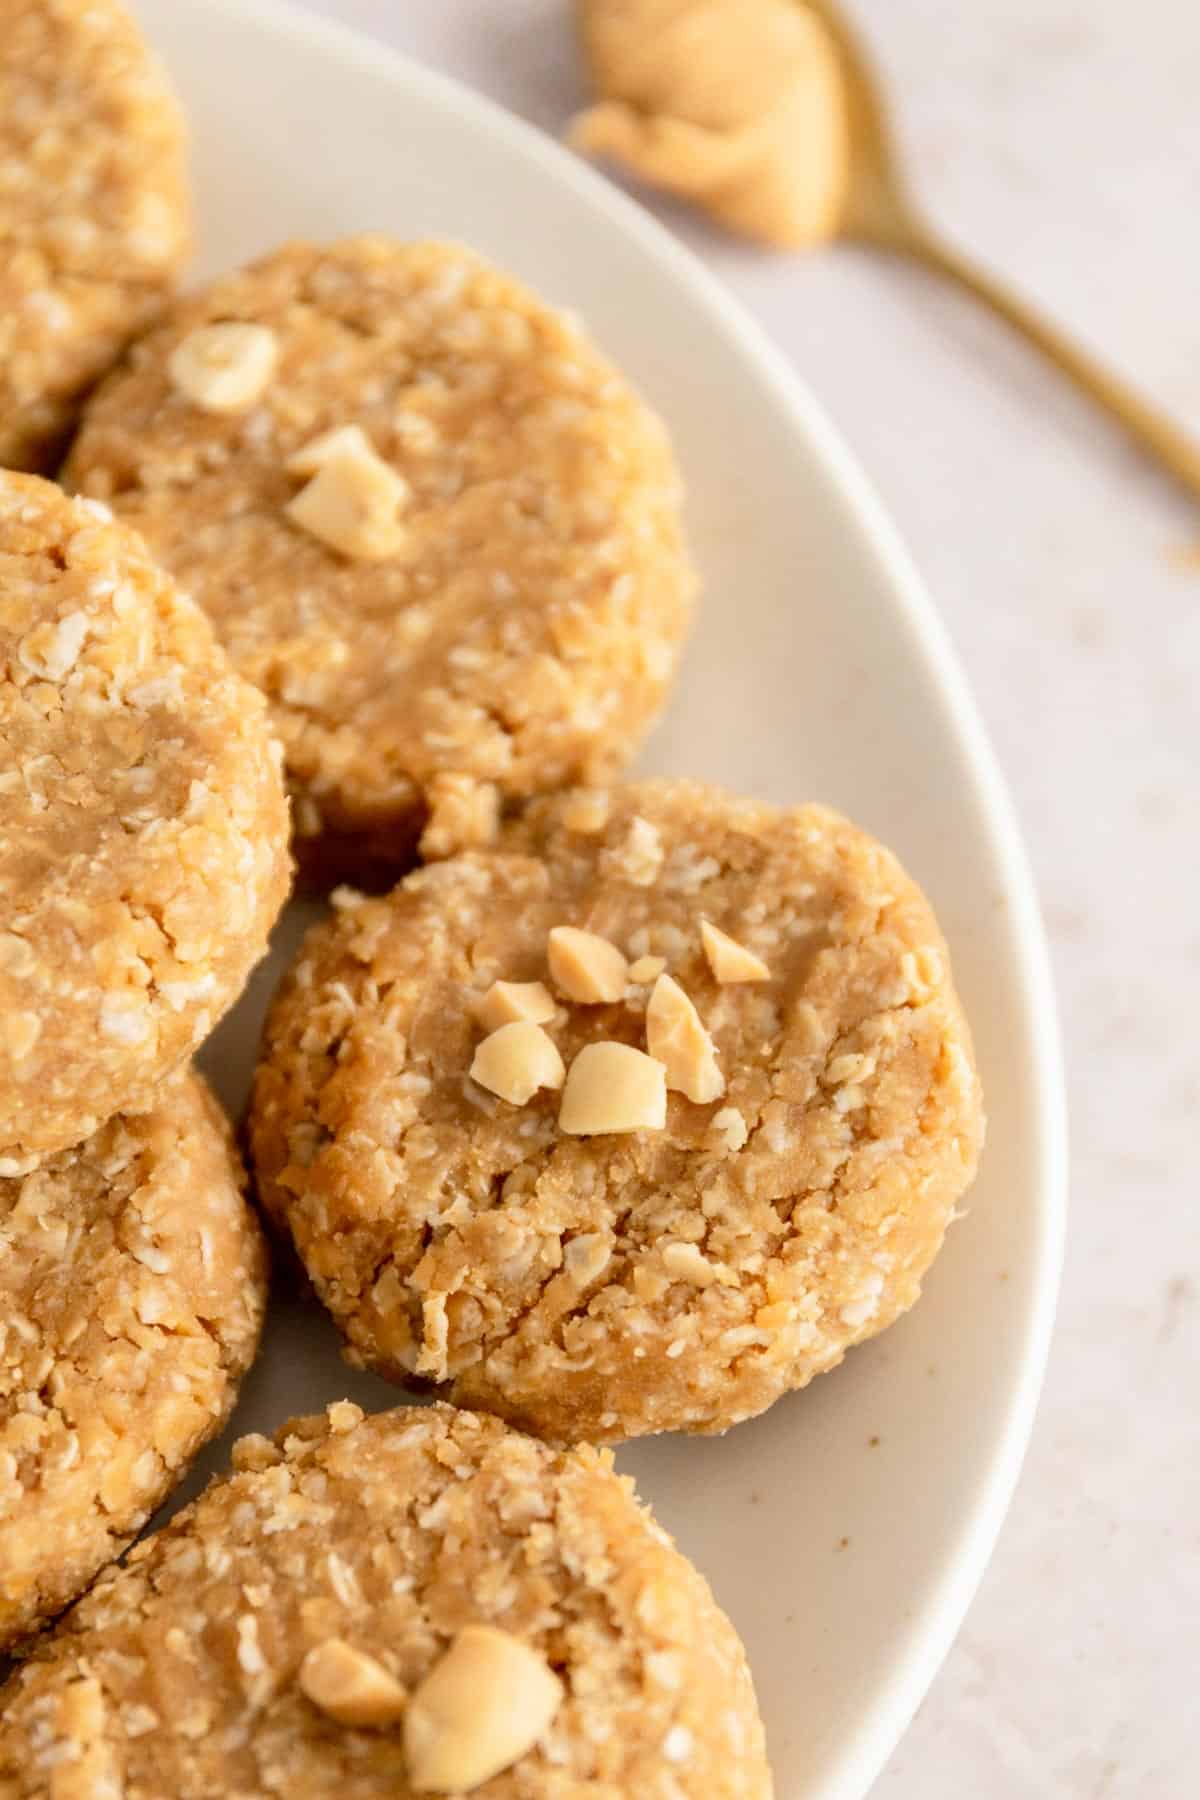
x: 676, y: 1038
x: 223, y: 368
x: 516, y: 1060
x: 351, y: 1686
x: 350, y: 440
x: 351, y: 502
x: 647, y: 968
x: 729, y: 960
x: 613, y: 1087
x: 510, y: 1002
x: 478, y: 1711
x: 586, y: 967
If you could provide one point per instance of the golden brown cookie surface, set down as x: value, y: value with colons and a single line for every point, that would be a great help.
x: 712, y: 1247
x: 437, y: 528
x: 463, y: 1588
x: 132, y: 1288
x: 143, y: 823
x: 93, y: 208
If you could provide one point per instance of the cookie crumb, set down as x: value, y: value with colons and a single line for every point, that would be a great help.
x: 731, y: 1126
x: 865, y: 1303
x: 687, y: 1262
x: 464, y: 814
x: 343, y: 1416
x: 586, y: 811
x: 638, y: 858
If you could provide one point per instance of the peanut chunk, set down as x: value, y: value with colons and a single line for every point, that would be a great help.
x: 729, y: 960
x: 586, y: 967
x: 352, y: 501
x: 516, y: 1060
x: 480, y: 1708
x: 676, y: 1038
x: 224, y: 368
x: 351, y: 1686
x: 647, y: 968
x: 613, y: 1087
x: 349, y: 440
x: 510, y: 1002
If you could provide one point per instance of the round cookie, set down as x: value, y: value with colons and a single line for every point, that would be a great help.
x: 331, y: 1576
x: 93, y: 209
x: 603, y: 1286
x: 143, y: 823
x: 512, y: 611
x: 132, y: 1287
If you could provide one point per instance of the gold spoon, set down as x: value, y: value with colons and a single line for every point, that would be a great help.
x: 879, y: 210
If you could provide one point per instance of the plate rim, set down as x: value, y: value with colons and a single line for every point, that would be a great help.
x: 939, y: 1615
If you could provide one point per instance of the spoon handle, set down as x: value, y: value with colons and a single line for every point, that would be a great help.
x: 1149, y: 427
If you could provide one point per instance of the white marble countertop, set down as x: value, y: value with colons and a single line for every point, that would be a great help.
x: 1061, y: 140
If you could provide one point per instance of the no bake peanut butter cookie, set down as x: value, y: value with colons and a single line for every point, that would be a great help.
x: 143, y: 823
x: 132, y: 1288
x: 630, y: 1125
x: 418, y: 1602
x: 427, y: 518
x: 93, y: 208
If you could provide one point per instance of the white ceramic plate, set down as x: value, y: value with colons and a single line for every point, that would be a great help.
x: 818, y: 670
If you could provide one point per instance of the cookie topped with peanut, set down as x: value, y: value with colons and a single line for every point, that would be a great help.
x: 428, y: 519
x: 611, y: 1156
x: 419, y: 1602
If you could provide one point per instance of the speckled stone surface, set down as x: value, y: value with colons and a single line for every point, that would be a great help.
x: 1058, y: 138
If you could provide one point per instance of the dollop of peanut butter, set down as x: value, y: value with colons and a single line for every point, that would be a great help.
x: 736, y: 105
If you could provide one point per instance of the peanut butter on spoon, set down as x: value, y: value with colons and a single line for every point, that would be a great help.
x: 737, y: 105
x: 767, y: 113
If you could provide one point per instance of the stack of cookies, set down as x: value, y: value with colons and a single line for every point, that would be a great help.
x: 591, y: 1109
